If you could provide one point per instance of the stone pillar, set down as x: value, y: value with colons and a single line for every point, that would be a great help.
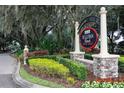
x: 105, y: 65
x: 25, y: 54
x: 76, y: 53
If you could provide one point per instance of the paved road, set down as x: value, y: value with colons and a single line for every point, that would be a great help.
x: 7, y: 67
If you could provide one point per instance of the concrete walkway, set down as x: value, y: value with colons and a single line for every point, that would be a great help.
x: 7, y: 67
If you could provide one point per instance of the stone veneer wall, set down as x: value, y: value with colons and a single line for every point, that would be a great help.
x: 105, y: 67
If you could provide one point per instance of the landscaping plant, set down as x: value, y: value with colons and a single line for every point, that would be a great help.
x: 121, y: 64
x: 49, y: 67
x: 88, y: 56
x: 75, y: 68
x: 96, y: 84
x: 38, y: 53
x: 71, y: 80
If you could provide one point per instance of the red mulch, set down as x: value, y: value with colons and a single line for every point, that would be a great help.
x: 78, y: 83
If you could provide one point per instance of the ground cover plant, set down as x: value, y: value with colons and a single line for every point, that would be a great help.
x: 96, y: 84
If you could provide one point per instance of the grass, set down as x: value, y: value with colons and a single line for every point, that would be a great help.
x: 37, y: 80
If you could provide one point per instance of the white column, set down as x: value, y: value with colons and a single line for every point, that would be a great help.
x: 77, y: 47
x: 104, y: 47
x: 76, y: 53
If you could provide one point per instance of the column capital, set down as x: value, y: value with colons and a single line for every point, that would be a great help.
x: 103, y: 10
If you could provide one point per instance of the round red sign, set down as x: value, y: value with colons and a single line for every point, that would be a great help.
x: 88, y: 38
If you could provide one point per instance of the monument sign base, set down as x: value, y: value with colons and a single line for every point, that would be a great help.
x: 75, y: 55
x: 105, y: 66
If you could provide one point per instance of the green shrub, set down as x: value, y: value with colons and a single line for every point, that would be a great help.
x: 49, y: 67
x: 121, y: 59
x: 51, y: 56
x: 88, y: 56
x: 19, y: 52
x: 64, y: 55
x: 76, y: 69
x: 121, y: 64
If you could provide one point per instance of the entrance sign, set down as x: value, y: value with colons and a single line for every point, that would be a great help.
x: 88, y: 38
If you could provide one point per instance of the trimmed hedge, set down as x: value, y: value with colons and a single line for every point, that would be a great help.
x: 88, y: 56
x: 49, y: 67
x: 38, y: 53
x: 121, y: 64
x: 50, y: 56
x: 77, y: 69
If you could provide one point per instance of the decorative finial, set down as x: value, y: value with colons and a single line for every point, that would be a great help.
x: 102, y: 9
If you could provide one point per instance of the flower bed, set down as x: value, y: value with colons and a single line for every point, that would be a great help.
x: 78, y: 75
x: 76, y: 69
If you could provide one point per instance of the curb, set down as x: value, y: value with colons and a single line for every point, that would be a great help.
x: 22, y: 82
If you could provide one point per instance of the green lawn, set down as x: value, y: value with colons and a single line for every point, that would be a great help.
x: 37, y: 80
